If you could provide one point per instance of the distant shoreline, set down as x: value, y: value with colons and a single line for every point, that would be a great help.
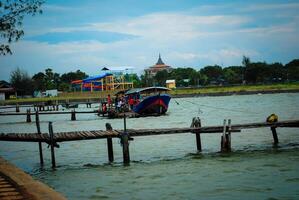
x: 180, y: 93
x: 235, y: 93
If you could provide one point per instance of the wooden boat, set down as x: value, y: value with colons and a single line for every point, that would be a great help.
x: 153, y: 103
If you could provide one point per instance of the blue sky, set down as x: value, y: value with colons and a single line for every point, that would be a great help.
x: 87, y: 35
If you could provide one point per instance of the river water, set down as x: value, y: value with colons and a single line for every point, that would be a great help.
x: 168, y: 166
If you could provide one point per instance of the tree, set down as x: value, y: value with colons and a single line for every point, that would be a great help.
x: 39, y: 81
x: 292, y: 70
x: 233, y: 74
x: 161, y: 77
x: 22, y: 82
x: 214, y: 73
x: 72, y: 76
x: 12, y: 13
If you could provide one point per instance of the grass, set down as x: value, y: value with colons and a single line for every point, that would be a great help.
x: 239, y: 88
x: 96, y: 95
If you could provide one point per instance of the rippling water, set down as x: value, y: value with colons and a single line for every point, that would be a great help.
x: 168, y: 166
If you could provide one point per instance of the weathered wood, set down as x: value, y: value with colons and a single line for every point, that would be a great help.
x: 274, y: 134
x: 49, y: 113
x: 109, y: 144
x: 52, y: 142
x: 28, y: 118
x: 17, y: 108
x: 73, y: 115
x: 223, y: 137
x: 125, y: 144
x: 41, y: 158
x: 226, y: 137
x: 99, y: 134
x: 196, y: 123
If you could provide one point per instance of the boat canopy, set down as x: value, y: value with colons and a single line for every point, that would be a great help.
x: 93, y: 78
x: 147, y: 90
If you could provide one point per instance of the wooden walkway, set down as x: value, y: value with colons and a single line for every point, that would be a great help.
x: 127, y: 134
x: 100, y: 134
x: 9, y: 190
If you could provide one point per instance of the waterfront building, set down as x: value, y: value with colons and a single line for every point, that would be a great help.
x: 159, y: 66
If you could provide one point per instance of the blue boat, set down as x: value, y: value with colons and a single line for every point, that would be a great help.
x: 154, y: 103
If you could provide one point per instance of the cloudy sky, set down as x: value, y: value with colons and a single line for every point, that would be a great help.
x: 87, y: 35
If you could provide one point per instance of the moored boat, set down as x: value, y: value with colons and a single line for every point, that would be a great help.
x: 154, y: 102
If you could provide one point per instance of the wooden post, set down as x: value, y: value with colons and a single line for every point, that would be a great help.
x: 17, y: 108
x: 109, y: 144
x: 125, y: 144
x: 28, y: 116
x: 197, y: 123
x: 223, y: 137
x: 57, y: 105
x: 52, y: 144
x: 274, y: 134
x: 73, y: 115
x: 226, y: 137
x: 41, y: 158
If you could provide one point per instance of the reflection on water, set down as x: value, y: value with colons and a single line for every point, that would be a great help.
x: 168, y: 166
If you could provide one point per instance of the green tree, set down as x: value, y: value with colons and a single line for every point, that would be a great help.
x: 12, y: 13
x: 22, y: 82
x: 161, y: 77
x: 233, y: 74
x: 72, y: 76
x: 214, y: 73
x: 292, y: 70
x: 39, y: 81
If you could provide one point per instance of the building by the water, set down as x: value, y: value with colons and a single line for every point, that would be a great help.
x: 159, y: 66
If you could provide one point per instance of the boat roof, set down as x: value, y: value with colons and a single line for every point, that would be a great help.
x: 146, y: 90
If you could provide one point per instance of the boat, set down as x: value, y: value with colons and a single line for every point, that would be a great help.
x: 153, y: 101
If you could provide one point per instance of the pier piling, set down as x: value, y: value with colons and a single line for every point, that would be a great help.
x: 274, y: 134
x: 41, y: 158
x: 28, y: 118
x: 125, y: 144
x: 73, y: 115
x: 195, y: 124
x: 226, y: 136
x: 109, y: 144
x: 17, y: 108
x: 52, y: 142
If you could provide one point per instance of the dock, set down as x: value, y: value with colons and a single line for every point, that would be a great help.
x: 126, y: 135
x: 15, y: 184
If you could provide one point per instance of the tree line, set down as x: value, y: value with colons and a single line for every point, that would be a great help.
x: 247, y: 73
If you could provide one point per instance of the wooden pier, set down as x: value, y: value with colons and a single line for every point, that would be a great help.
x: 127, y: 134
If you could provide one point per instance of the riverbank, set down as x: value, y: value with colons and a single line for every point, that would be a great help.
x: 21, y: 185
x: 175, y: 93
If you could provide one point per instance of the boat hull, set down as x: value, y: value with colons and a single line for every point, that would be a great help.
x: 156, y: 104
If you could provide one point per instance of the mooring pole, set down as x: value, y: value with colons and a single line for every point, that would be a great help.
x: 125, y: 144
x: 52, y: 144
x: 41, y: 158
x: 228, y: 136
x: 73, y: 115
x: 17, y: 108
x: 274, y: 134
x: 28, y: 119
x: 109, y: 144
x: 223, y: 137
x: 196, y: 123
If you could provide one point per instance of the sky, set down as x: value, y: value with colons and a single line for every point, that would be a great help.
x: 92, y: 34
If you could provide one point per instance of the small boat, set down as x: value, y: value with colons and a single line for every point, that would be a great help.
x: 153, y: 103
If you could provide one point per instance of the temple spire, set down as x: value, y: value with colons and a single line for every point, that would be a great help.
x: 160, y: 62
